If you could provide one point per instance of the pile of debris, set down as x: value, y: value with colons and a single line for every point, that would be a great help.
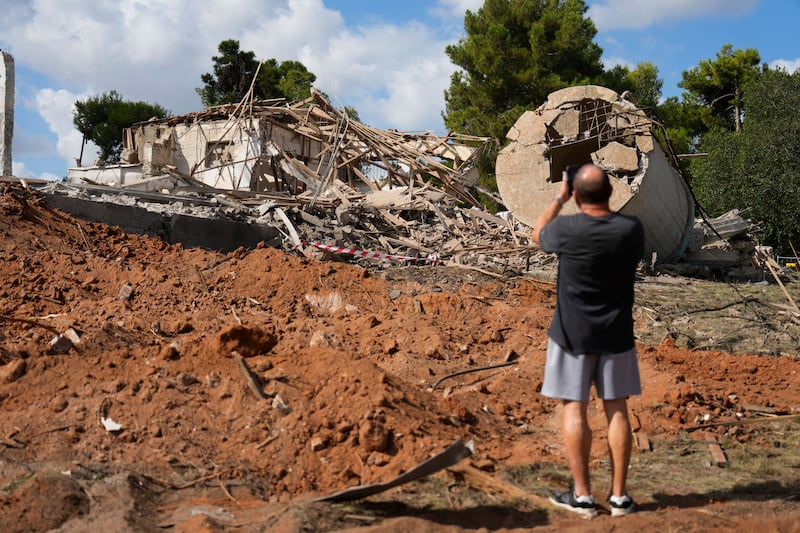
x: 397, y: 226
x: 724, y: 248
x: 276, y: 146
x: 307, y: 178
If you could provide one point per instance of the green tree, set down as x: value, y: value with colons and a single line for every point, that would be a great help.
x: 295, y: 80
x: 514, y: 54
x: 646, y: 84
x: 101, y: 119
x: 616, y: 78
x: 642, y: 82
x: 719, y: 85
x: 756, y: 168
x: 679, y: 122
x: 234, y: 70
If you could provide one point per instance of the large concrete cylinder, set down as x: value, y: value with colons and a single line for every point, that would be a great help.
x: 592, y: 124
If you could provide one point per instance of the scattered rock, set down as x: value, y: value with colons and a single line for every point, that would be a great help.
x: 187, y: 380
x: 280, y: 405
x: 390, y: 346
x: 59, y: 404
x: 248, y: 341
x: 322, y: 339
x: 373, y: 436
x: 170, y: 353
x: 125, y: 292
x: 60, y: 344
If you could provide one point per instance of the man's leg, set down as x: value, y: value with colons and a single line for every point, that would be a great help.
x: 578, y: 442
x: 619, y: 443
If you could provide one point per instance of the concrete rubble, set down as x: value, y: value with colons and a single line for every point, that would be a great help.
x: 323, y: 185
x: 305, y: 178
x: 592, y: 124
x: 276, y: 146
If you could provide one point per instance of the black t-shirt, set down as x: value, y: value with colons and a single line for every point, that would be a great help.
x: 597, y: 264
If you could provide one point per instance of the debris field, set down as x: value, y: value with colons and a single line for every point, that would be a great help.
x: 148, y: 387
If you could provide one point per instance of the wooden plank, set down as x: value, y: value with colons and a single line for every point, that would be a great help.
x: 642, y: 442
x: 717, y: 455
x: 769, y: 261
x: 248, y: 375
x: 484, y: 482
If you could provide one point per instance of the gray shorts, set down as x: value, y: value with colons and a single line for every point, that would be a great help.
x: 569, y: 377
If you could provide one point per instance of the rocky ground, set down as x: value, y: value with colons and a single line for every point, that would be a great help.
x: 146, y: 387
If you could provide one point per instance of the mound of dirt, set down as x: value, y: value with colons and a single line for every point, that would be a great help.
x: 274, y: 378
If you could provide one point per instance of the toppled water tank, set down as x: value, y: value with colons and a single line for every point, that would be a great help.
x: 592, y: 124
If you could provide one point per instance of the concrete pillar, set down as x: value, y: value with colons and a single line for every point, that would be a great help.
x: 6, y: 111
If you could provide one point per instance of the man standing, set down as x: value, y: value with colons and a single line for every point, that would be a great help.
x: 591, y: 336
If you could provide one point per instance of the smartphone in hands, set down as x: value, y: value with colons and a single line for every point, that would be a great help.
x: 571, y: 171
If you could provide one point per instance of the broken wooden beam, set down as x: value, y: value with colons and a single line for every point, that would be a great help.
x: 248, y: 376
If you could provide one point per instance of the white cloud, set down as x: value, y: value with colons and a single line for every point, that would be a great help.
x: 637, y: 14
x: 613, y: 61
x: 457, y: 8
x: 789, y: 65
x: 291, y: 28
x: 55, y: 107
x: 156, y: 51
x: 395, y: 76
x: 19, y: 170
x: 31, y: 144
x: 415, y: 94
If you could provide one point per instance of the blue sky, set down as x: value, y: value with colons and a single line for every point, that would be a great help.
x: 386, y: 59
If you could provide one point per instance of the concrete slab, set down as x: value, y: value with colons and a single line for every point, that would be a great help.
x: 189, y: 231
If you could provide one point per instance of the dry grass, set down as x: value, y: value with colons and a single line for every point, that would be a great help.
x: 704, y: 315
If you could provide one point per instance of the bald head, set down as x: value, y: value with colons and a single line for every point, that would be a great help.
x: 592, y: 185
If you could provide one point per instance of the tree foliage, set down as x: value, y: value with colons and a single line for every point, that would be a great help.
x: 514, y: 54
x: 234, y: 70
x: 718, y: 85
x: 757, y: 168
x: 102, y: 118
x: 642, y: 82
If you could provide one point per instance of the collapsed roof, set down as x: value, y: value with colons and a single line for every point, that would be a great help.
x: 275, y: 146
x: 307, y: 178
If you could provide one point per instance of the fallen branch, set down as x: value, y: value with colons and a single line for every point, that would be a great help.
x: 446, y: 459
x: 225, y: 490
x: 483, y: 482
x: 471, y: 370
x: 247, y: 374
x: 85, y: 240
x: 768, y: 261
x: 174, y: 486
x: 742, y: 421
x: 29, y: 321
x: 744, y: 301
x: 202, y: 279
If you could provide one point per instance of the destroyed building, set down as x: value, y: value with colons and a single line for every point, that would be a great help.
x: 592, y: 124
x: 274, y: 146
x: 304, y: 177
x: 307, y: 178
